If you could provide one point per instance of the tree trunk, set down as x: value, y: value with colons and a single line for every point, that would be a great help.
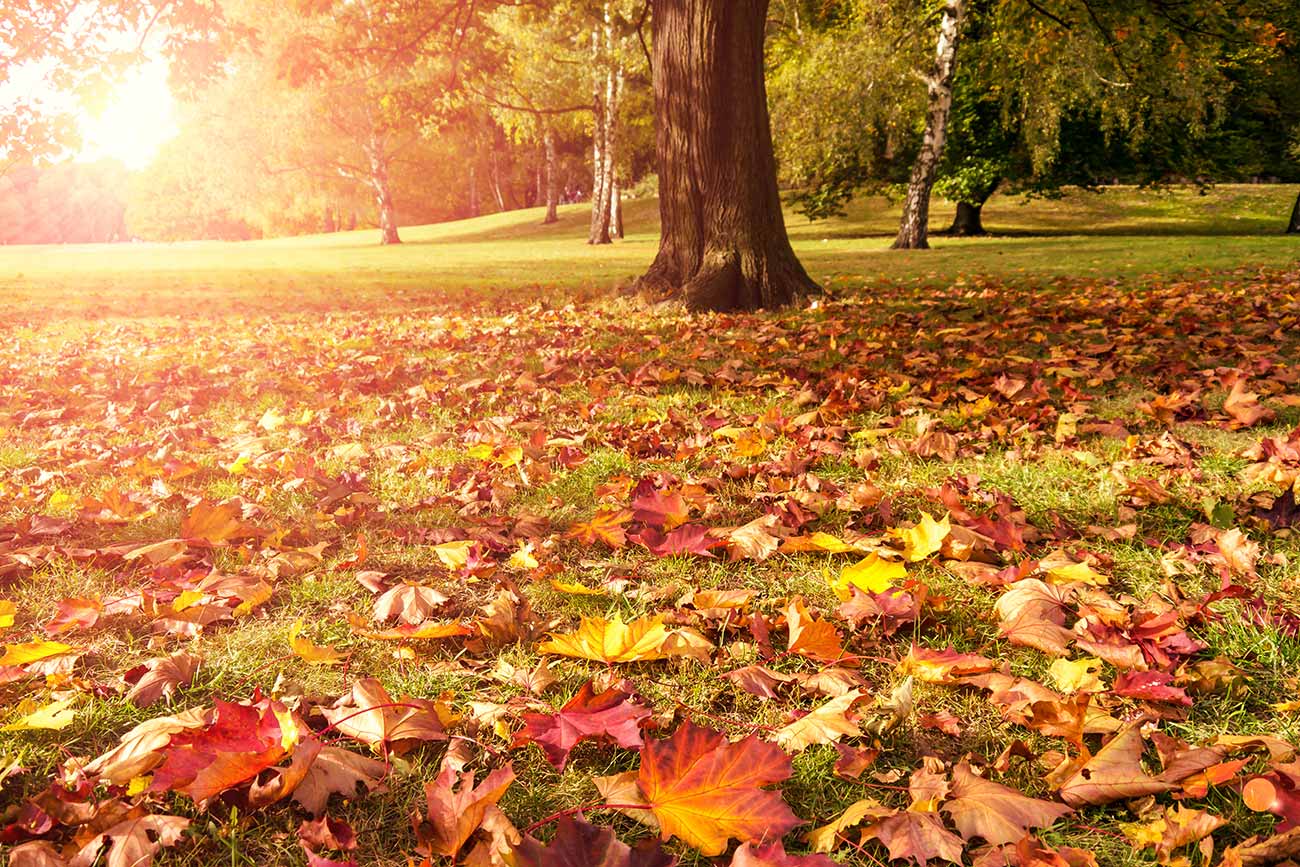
x: 473, y: 189
x: 602, y: 155
x: 383, y: 192
x: 552, y: 182
x: 496, y: 182
x: 1294, y: 227
x: 914, y: 226
x: 969, y: 220
x: 723, y: 244
x: 616, y: 209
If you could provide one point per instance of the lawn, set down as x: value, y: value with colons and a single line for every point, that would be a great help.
x: 324, y: 515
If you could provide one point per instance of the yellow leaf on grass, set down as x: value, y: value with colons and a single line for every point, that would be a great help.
x: 615, y: 641
x: 872, y: 574
x: 828, y: 543
x: 53, y: 716
x: 523, y: 558
x: 1076, y: 675
x: 313, y: 653
x: 8, y: 611
x: 454, y: 555
x: 60, y: 500
x: 575, y: 589
x: 1072, y: 573
x: 21, y: 654
x: 925, y: 538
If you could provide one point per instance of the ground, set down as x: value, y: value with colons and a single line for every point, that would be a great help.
x: 471, y: 431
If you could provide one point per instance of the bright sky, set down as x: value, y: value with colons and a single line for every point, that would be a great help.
x: 137, y: 119
x: 131, y: 124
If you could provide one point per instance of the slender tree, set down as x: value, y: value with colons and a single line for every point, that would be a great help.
x: 913, y: 227
x: 723, y: 243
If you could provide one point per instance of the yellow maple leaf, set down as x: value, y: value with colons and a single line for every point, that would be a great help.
x: 454, y: 555
x: 21, y: 654
x: 8, y: 611
x: 312, y: 653
x: 1076, y: 675
x: 575, y: 589
x: 53, y: 716
x: 1072, y: 573
x: 872, y: 574
x: 828, y: 543
x: 925, y: 538
x: 523, y: 558
x: 613, y: 640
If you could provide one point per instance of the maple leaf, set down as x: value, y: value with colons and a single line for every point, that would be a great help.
x: 52, y: 717
x: 74, y: 613
x: 758, y: 680
x: 687, y: 539
x: 241, y: 742
x: 1115, y: 773
x: 8, y: 610
x: 369, y: 714
x: 430, y: 630
x: 815, y: 639
x: 1150, y: 685
x: 412, y: 604
x: 1175, y: 828
x: 918, y: 837
x: 774, y: 855
x: 134, y: 840
x: 32, y: 651
x: 942, y: 666
x: 706, y: 790
x: 999, y: 814
x: 755, y: 540
x: 1244, y: 406
x: 312, y: 653
x: 663, y: 510
x: 337, y: 772
x: 215, y: 524
x: 326, y: 833
x: 605, y: 526
x: 873, y: 574
x: 160, y: 677
x: 827, y: 837
x: 613, y: 640
x: 1033, y: 614
x: 456, y: 808
x: 925, y: 538
x: 824, y: 725
x: 578, y: 844
x: 1076, y: 675
x: 610, y: 715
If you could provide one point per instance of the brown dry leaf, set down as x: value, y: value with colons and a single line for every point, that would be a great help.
x: 824, y: 725
x: 160, y: 677
x: 369, y: 714
x: 1115, y: 773
x: 410, y: 603
x: 997, y: 813
x: 456, y: 808
x: 1033, y: 614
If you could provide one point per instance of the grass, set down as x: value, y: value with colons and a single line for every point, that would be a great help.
x: 337, y: 390
x: 1122, y: 233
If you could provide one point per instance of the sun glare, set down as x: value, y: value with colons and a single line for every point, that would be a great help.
x: 134, y: 122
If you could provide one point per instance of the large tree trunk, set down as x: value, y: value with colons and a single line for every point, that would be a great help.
x: 914, y: 226
x: 1294, y: 227
x: 723, y: 244
x: 383, y: 192
x: 552, y: 181
x: 969, y: 219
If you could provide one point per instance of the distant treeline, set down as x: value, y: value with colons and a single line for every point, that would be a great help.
x: 69, y: 203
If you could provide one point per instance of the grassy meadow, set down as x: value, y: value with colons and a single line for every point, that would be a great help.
x: 1106, y: 389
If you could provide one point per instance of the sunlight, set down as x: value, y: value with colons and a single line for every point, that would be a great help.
x: 136, y: 119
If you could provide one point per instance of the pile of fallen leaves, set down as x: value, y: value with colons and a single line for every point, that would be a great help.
x: 782, y: 514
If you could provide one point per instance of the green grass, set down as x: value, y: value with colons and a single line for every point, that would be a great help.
x: 1122, y: 233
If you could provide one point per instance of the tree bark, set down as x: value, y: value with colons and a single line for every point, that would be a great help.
x: 552, y: 181
x: 496, y: 181
x: 616, y: 209
x: 913, y: 228
x: 603, y: 108
x: 969, y: 219
x: 383, y: 192
x: 474, y: 208
x: 723, y: 244
x: 1294, y: 227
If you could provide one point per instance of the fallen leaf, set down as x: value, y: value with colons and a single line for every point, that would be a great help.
x: 997, y: 813
x: 611, y: 715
